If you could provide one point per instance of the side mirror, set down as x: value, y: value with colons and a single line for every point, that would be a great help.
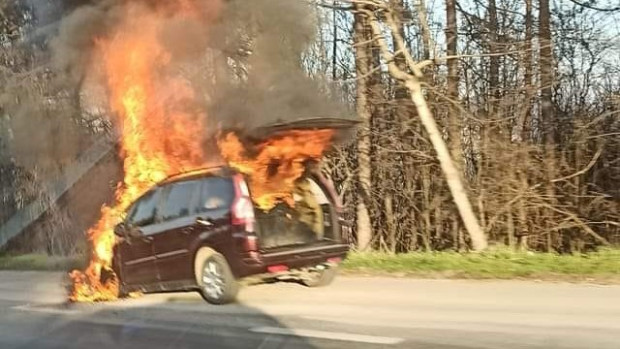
x: 134, y: 232
x: 120, y: 230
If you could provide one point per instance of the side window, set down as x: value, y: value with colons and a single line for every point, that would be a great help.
x: 178, y: 201
x: 216, y: 193
x: 143, y: 211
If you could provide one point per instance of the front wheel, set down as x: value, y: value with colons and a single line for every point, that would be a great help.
x: 217, y: 283
x: 320, y: 278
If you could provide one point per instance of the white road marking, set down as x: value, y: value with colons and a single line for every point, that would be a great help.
x: 47, y: 310
x: 340, y: 336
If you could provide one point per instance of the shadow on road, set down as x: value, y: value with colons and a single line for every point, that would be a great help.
x: 153, y: 322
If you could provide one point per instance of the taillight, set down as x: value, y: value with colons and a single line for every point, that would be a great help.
x: 250, y: 243
x: 277, y: 268
x: 334, y: 260
x: 242, y: 207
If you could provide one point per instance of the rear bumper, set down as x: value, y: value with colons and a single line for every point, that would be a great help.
x: 298, y: 258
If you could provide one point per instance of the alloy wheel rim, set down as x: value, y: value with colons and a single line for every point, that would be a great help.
x: 213, y: 282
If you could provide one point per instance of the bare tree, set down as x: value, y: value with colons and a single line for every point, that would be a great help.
x: 551, y: 195
x: 413, y: 84
x: 363, y: 67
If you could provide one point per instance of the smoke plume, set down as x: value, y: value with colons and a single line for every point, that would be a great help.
x: 269, y: 38
x: 243, y: 57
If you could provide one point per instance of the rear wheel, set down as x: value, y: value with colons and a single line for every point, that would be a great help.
x: 217, y: 283
x: 320, y: 278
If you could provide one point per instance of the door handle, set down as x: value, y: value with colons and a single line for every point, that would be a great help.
x: 206, y: 222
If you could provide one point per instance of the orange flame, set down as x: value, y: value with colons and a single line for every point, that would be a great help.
x: 159, y: 135
x: 277, y: 162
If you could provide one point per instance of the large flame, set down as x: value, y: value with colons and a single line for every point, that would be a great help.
x: 160, y: 134
x: 276, y: 162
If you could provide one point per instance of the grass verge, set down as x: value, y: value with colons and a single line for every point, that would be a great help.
x: 602, y: 266
x: 40, y: 262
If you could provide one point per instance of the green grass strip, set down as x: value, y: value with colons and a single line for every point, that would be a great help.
x: 494, y: 264
x: 40, y: 262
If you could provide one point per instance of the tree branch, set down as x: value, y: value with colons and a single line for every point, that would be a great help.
x: 583, y: 170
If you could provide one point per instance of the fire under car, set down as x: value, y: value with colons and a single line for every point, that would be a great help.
x: 204, y: 231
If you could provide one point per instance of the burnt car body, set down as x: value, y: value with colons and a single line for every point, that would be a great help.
x: 201, y: 231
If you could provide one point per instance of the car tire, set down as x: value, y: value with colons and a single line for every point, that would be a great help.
x: 320, y: 278
x: 215, y: 279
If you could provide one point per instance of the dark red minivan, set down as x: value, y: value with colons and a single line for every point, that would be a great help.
x: 201, y: 231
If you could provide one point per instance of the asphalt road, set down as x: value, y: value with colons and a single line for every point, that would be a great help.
x: 355, y: 312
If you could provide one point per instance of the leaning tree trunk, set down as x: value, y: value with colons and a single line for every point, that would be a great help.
x: 413, y: 84
x: 452, y: 174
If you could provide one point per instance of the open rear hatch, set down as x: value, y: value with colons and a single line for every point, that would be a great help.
x: 302, y: 225
x: 257, y: 135
x: 336, y: 124
x: 284, y: 227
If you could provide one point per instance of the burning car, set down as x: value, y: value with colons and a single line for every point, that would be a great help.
x: 267, y: 214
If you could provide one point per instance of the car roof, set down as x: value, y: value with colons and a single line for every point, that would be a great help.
x: 219, y: 170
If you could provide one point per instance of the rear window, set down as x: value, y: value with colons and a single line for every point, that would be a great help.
x: 216, y: 193
x: 178, y: 202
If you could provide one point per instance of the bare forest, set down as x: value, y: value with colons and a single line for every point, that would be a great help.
x: 481, y: 122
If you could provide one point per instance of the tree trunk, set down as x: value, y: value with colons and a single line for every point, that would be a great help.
x: 547, y: 114
x: 522, y: 131
x: 529, y: 56
x: 455, y: 124
x: 451, y: 48
x: 452, y: 174
x: 390, y: 220
x: 335, y: 43
x: 546, y: 73
x: 362, y: 59
x: 493, y: 60
x: 424, y: 29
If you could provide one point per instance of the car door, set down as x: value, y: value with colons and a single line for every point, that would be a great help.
x: 191, y: 209
x: 137, y: 250
x: 177, y: 218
